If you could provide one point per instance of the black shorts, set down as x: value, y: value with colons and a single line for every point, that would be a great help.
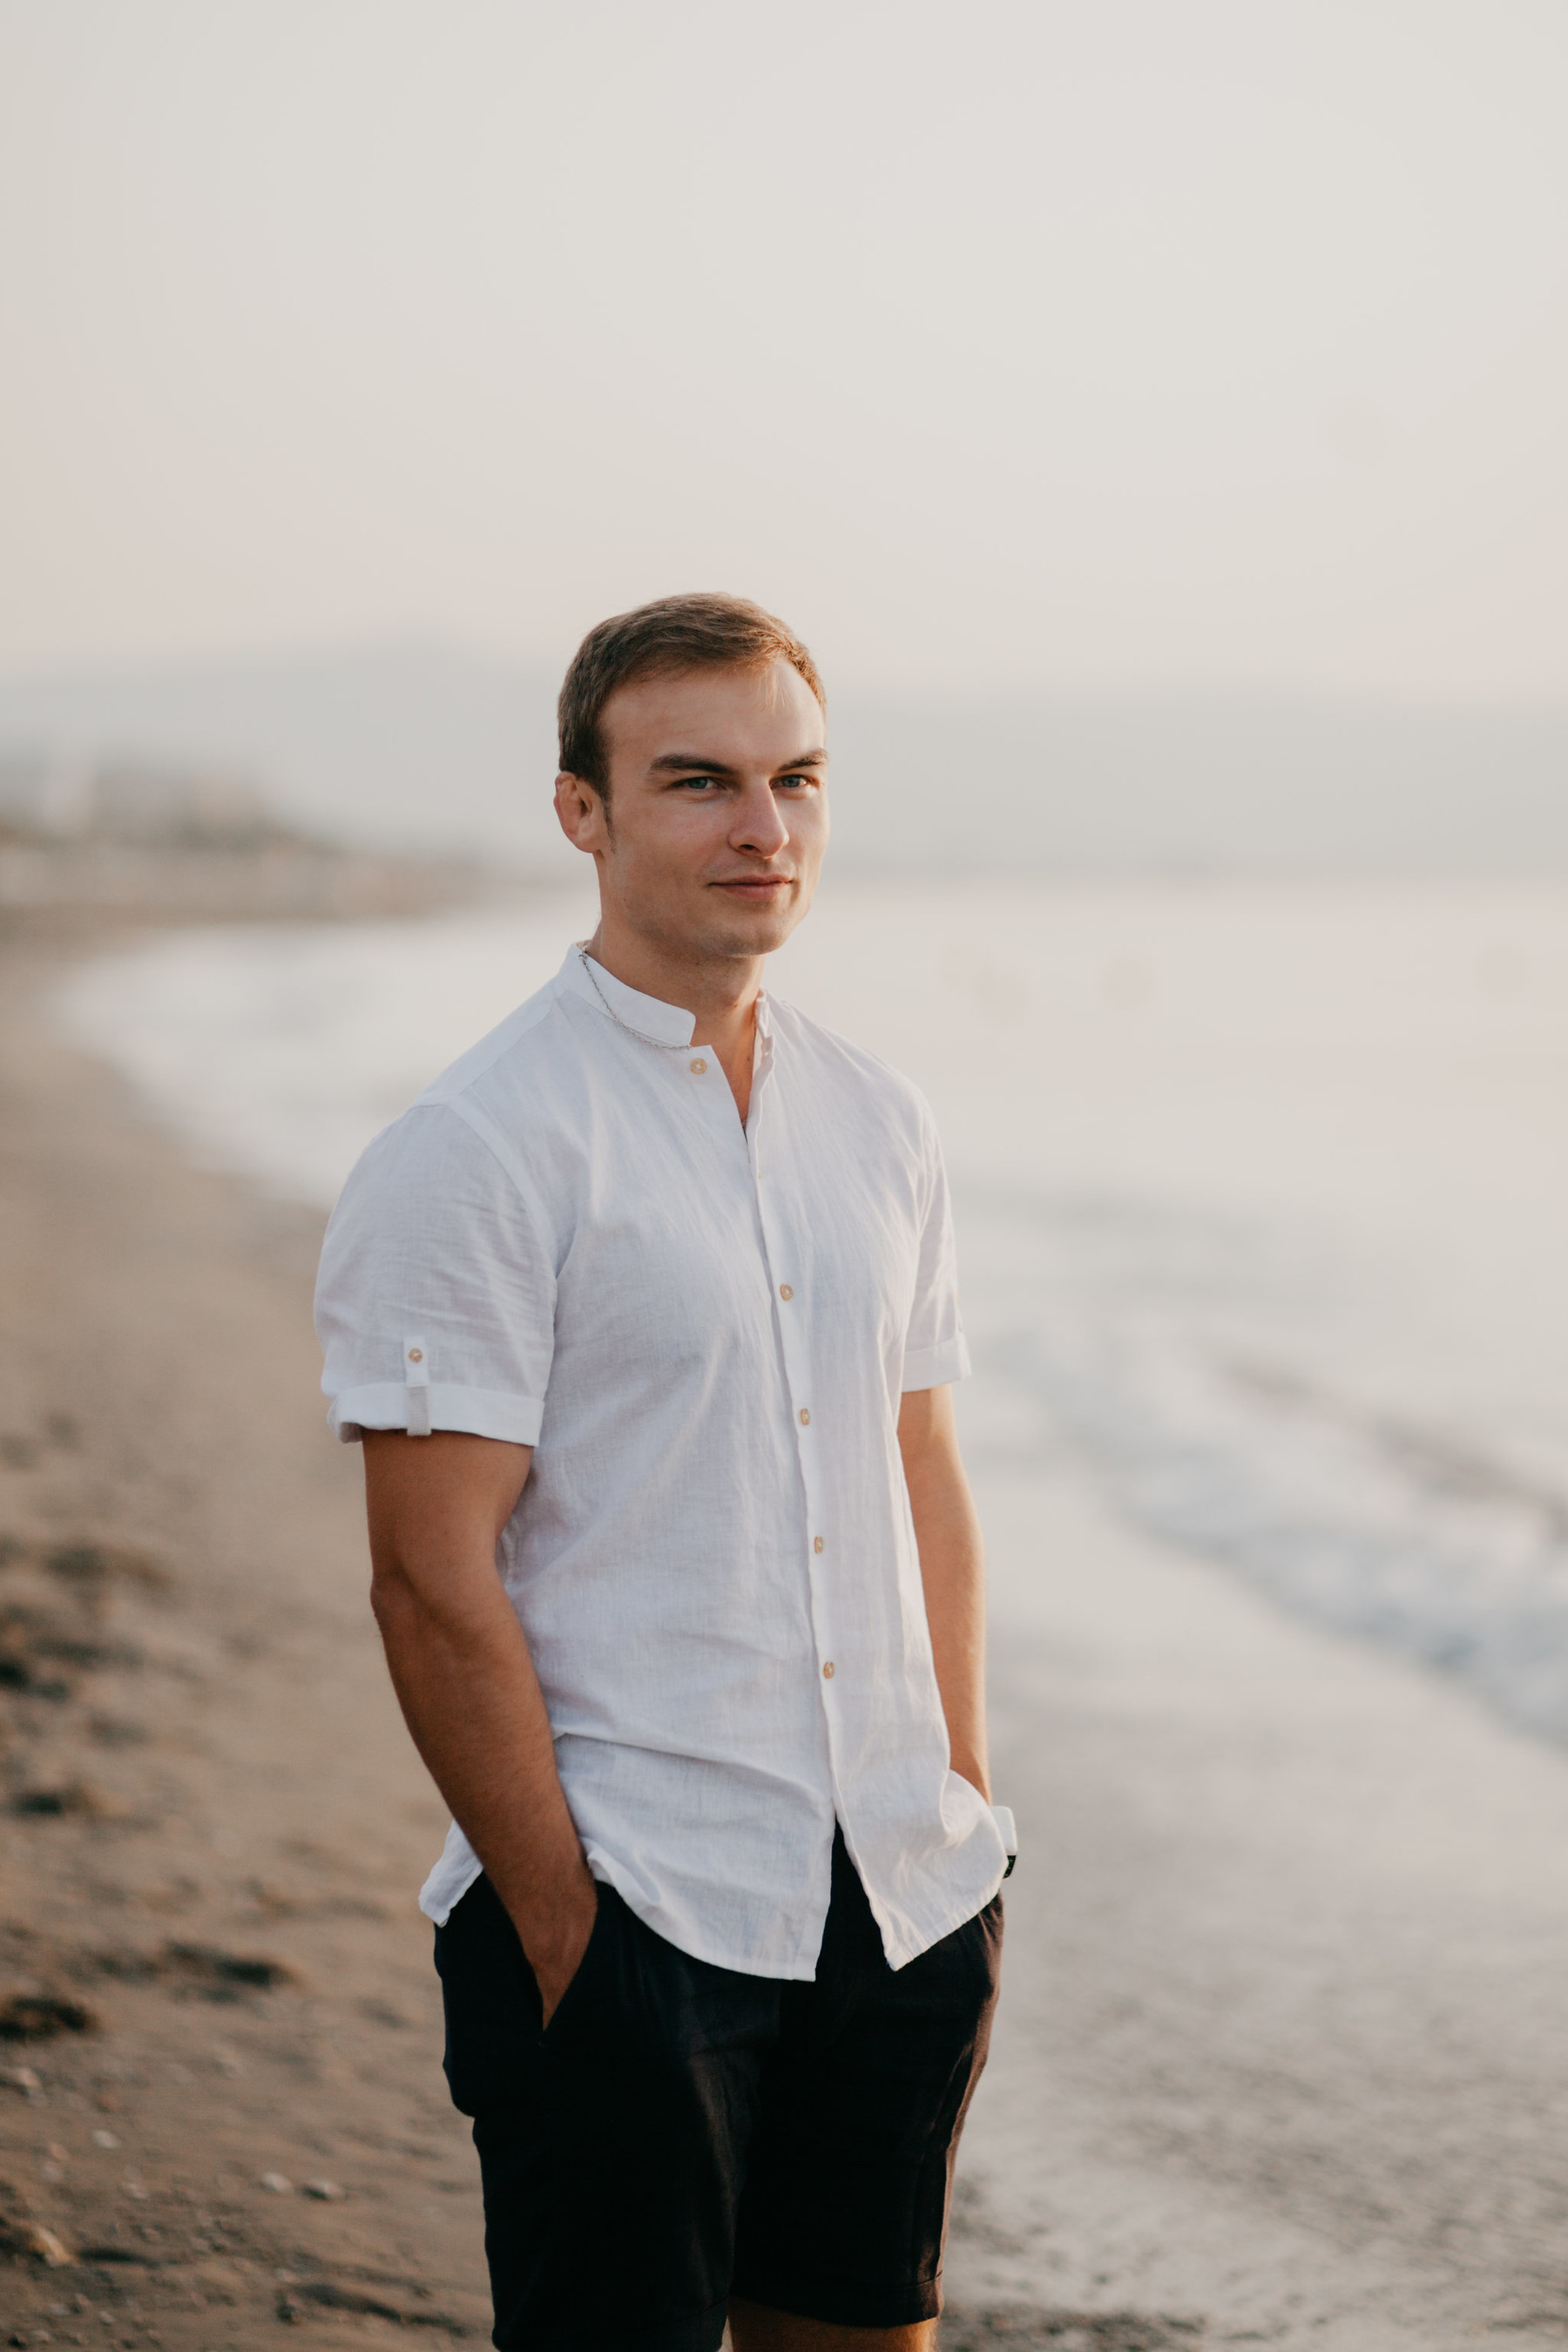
x: 681, y: 2133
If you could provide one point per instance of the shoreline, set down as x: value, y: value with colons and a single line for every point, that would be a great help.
x: 70, y: 892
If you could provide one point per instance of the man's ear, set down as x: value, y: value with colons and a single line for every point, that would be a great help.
x: 585, y: 819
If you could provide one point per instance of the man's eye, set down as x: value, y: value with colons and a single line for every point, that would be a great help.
x: 695, y: 783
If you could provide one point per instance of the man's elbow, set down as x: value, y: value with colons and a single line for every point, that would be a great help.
x: 453, y: 1601
x: 393, y: 1600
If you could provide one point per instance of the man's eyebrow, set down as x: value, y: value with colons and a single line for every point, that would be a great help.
x: 683, y: 762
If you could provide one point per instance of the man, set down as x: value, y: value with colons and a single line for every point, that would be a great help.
x: 649, y: 1302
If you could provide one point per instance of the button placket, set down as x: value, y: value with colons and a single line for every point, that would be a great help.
x: 820, y: 1613
x: 791, y: 1333
x: 702, y: 1080
x: 778, y: 1251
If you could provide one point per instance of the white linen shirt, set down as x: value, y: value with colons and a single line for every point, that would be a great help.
x: 571, y: 1243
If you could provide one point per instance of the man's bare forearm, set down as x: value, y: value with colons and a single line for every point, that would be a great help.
x: 467, y: 1684
x: 953, y: 1574
x: 472, y: 1701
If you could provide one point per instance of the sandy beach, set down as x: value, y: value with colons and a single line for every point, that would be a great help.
x: 1282, y: 2058
x: 214, y: 1819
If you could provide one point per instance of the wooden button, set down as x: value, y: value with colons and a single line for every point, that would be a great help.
x: 827, y: 1672
x: 805, y: 1416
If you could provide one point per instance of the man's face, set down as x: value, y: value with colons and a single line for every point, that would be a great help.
x: 717, y: 814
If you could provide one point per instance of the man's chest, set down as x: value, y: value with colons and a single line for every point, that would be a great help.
x: 683, y: 1240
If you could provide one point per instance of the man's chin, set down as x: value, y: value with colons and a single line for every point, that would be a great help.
x: 739, y: 927
x: 716, y: 927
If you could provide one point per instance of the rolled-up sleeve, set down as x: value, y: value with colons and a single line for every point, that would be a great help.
x: 436, y: 1301
x: 935, y: 1350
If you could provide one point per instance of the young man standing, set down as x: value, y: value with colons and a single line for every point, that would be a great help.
x: 649, y: 1304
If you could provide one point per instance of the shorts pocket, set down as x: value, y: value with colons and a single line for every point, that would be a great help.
x: 573, y: 1997
x: 495, y: 2029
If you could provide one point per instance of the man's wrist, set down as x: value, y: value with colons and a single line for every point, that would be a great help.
x: 557, y: 1942
x: 551, y: 1916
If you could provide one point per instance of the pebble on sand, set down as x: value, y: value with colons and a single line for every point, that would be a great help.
x: 326, y: 2190
x: 43, y: 2245
x: 275, y: 2181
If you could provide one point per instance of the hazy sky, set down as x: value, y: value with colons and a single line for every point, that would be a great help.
x: 1175, y: 342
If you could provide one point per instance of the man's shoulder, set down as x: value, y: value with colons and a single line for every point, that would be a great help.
x: 467, y: 1120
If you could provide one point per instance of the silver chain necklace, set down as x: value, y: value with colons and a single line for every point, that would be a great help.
x: 662, y: 1043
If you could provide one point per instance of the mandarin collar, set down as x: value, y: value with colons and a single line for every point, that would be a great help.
x: 670, y: 1024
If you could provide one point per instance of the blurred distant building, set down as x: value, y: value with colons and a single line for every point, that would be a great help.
x: 133, y: 803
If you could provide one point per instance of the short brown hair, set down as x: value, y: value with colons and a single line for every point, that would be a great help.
x: 677, y: 633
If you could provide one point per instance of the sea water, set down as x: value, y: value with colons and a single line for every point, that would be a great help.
x: 1262, y: 1192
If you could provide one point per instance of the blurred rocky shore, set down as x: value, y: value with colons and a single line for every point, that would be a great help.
x: 86, y: 845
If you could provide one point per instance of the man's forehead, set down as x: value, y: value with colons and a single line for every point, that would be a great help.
x: 714, y: 711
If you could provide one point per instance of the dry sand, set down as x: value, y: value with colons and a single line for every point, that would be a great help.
x: 1283, y: 2057
x: 213, y: 1821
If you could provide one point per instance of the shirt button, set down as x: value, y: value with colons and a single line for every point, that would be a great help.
x: 817, y: 1543
x: 697, y: 1066
x: 827, y: 1672
x: 784, y: 1290
x: 805, y: 1416
x: 416, y: 1355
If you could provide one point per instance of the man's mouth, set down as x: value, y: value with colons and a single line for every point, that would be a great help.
x: 754, y: 886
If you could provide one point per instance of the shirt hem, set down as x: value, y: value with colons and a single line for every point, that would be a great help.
x: 438, y: 1901
x: 440, y: 1895
x: 911, y: 1949
x: 439, y: 1905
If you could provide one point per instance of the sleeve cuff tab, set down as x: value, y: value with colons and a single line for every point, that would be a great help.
x: 416, y: 1372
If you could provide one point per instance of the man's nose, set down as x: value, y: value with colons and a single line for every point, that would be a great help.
x: 760, y: 821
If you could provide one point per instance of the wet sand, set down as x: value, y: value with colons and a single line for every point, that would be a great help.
x: 1282, y: 2057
